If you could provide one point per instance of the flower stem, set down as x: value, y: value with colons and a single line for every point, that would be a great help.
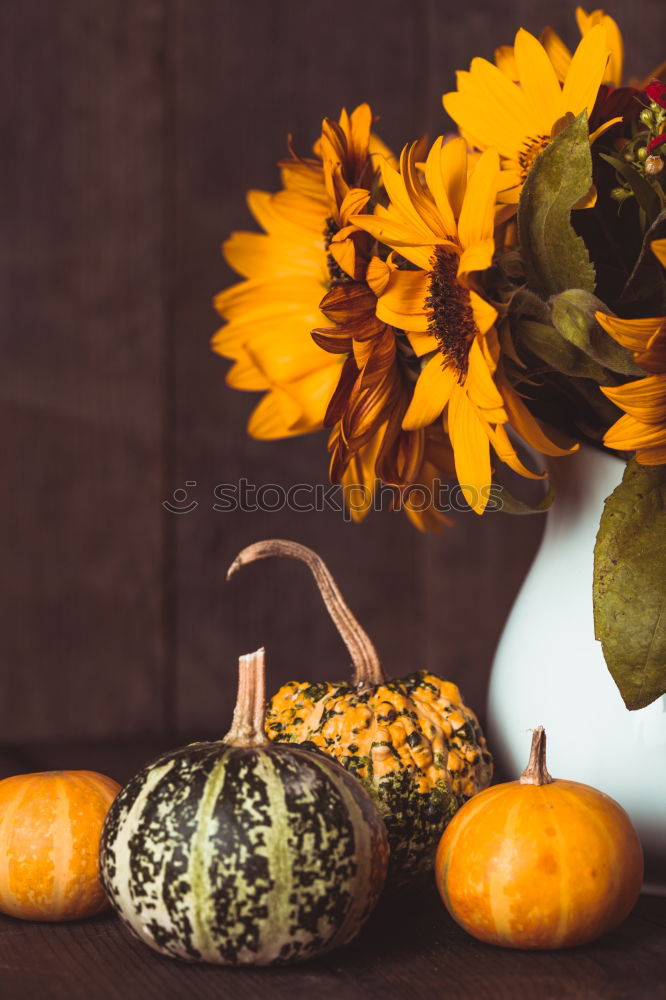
x: 366, y: 664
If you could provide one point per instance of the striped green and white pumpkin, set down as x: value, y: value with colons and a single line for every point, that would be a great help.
x: 241, y: 851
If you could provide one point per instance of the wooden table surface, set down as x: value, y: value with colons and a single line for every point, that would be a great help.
x: 409, y: 950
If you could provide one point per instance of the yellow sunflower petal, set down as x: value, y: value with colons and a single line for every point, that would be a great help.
x: 481, y: 388
x: 509, y: 102
x: 477, y: 217
x: 401, y: 204
x: 470, y: 114
x: 629, y: 434
x: 343, y: 253
x: 586, y: 73
x: 509, y: 115
x: 471, y: 450
x: 360, y: 125
x: 419, y: 256
x: 604, y: 128
x: 527, y: 426
x: 506, y: 61
x: 511, y: 196
x: 286, y: 214
x: 436, y: 181
x: 231, y: 340
x: 273, y: 320
x: 411, y: 323
x: 288, y: 354
x: 659, y: 250
x: 505, y: 451
x: 305, y: 178
x: 310, y: 396
x: 354, y: 202
x: 258, y: 297
x: 406, y: 293
x: 392, y: 232
x: 477, y: 257
x: 454, y: 165
x: 419, y: 196
x: 244, y: 374
x: 431, y: 394
x: 645, y: 400
x: 378, y: 275
x: 268, y: 420
x: 614, y: 41
x: 422, y: 343
x: 485, y: 315
x: 256, y: 255
x: 634, y: 334
x: 538, y: 81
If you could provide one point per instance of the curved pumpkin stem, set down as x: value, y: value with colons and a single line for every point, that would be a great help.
x: 247, y: 726
x: 367, y: 667
x: 536, y: 772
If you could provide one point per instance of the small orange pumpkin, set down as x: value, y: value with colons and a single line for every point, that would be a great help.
x: 50, y: 828
x: 539, y: 863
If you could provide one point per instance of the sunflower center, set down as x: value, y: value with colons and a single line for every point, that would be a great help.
x: 451, y: 317
x: 529, y: 152
x: 335, y: 272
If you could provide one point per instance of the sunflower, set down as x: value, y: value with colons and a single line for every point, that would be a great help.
x: 518, y: 119
x: 441, y: 232
x: 643, y: 427
x: 302, y: 325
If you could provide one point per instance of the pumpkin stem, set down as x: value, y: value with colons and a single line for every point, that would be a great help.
x: 367, y: 667
x: 536, y: 772
x: 247, y: 726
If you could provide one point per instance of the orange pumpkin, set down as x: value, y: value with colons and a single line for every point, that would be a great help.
x: 539, y: 863
x: 50, y: 828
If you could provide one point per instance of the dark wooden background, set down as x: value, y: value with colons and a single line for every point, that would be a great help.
x: 130, y: 131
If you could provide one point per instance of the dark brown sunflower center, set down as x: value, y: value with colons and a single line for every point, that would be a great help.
x: 451, y: 317
x: 529, y: 152
x: 335, y: 272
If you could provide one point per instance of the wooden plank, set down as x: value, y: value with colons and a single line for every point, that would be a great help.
x: 81, y: 381
x: 246, y: 75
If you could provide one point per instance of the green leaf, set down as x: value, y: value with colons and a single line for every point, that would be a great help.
x: 559, y: 353
x: 630, y: 584
x: 555, y: 257
x: 573, y: 317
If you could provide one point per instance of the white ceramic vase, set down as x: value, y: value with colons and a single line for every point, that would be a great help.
x: 549, y: 670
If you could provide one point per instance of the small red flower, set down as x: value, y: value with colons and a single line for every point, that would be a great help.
x: 656, y: 91
x: 659, y: 141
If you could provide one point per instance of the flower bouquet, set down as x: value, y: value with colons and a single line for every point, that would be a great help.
x: 499, y: 288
